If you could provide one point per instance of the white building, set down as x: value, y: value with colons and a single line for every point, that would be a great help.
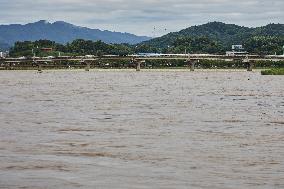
x: 3, y: 54
x: 237, y: 50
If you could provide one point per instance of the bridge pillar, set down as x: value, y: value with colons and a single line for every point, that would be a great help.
x: 39, y: 69
x: 88, y: 66
x: 39, y: 66
x: 249, y: 64
x: 191, y: 64
x: 138, y: 66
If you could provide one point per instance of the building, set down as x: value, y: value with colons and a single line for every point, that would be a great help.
x: 237, y: 50
x: 46, y: 49
x: 3, y: 54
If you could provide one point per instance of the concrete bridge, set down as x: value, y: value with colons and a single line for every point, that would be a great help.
x: 190, y: 60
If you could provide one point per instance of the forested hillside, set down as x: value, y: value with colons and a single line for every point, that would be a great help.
x: 214, y: 38
x: 217, y: 37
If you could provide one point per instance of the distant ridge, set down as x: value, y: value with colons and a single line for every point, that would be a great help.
x: 62, y: 32
x: 4, y: 46
x: 226, y: 34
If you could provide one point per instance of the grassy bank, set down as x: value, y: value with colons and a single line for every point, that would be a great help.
x: 275, y: 71
x: 149, y: 64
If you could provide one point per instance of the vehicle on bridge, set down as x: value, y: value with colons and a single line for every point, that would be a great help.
x: 89, y: 56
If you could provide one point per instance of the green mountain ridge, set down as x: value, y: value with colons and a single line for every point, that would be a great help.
x: 213, y: 38
x: 220, y: 33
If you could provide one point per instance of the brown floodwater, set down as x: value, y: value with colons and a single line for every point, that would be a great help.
x: 149, y: 129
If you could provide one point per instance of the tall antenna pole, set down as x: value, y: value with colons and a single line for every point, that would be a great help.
x: 154, y: 32
x: 33, y: 52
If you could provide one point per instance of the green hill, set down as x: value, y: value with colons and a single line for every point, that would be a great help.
x: 217, y: 37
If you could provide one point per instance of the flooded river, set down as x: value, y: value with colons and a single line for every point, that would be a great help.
x: 154, y: 129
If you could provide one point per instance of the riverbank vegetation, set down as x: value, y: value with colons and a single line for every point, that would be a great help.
x: 275, y: 71
x: 149, y: 64
x: 181, y: 45
x: 78, y: 47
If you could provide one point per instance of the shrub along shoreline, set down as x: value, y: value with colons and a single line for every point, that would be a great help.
x: 274, y: 71
x: 149, y: 64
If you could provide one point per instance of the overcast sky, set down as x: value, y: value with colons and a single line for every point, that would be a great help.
x: 142, y: 16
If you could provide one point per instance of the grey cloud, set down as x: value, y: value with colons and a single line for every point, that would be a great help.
x: 141, y: 16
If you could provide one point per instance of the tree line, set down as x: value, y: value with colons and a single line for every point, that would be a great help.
x: 75, y: 48
x: 261, y: 45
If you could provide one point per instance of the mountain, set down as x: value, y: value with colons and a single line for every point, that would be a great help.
x: 4, y: 46
x: 225, y: 34
x: 62, y: 32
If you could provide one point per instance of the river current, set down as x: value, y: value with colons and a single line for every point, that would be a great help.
x: 149, y: 129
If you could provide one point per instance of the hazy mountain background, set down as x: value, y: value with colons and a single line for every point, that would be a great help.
x: 61, y: 32
x: 213, y: 37
x: 4, y: 46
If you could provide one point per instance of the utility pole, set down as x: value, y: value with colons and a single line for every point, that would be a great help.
x: 33, y: 52
x: 154, y: 32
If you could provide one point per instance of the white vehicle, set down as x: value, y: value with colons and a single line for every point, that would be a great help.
x: 111, y: 55
x: 89, y: 56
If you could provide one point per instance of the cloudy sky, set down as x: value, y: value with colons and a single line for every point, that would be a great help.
x: 143, y: 17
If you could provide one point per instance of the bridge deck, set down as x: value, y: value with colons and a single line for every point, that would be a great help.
x: 195, y: 57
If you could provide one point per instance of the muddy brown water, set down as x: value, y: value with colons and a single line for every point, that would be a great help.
x: 157, y: 129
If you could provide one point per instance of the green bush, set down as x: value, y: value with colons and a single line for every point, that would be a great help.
x: 275, y: 71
